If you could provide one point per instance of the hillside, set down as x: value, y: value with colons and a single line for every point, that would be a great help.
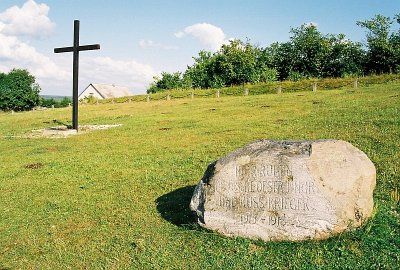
x: 119, y: 198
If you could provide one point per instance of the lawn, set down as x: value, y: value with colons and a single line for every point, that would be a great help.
x: 118, y: 198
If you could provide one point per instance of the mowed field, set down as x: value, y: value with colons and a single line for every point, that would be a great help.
x: 118, y: 198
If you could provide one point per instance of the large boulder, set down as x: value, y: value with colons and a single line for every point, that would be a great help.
x: 287, y: 190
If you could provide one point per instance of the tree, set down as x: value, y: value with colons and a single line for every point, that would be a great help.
x: 66, y: 101
x: 167, y: 81
x: 394, y: 40
x: 18, y: 91
x: 383, y: 47
x: 309, y: 48
x: 343, y: 57
x: 57, y: 103
x: 238, y: 62
x: 309, y: 53
x: 202, y: 73
x: 266, y: 72
x: 235, y: 63
x: 282, y: 60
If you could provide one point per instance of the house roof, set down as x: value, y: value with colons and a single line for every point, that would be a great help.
x: 110, y: 90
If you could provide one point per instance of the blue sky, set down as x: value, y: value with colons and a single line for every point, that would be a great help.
x: 140, y: 39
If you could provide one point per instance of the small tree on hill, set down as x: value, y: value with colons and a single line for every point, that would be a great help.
x: 383, y: 46
x: 18, y: 91
x: 167, y: 81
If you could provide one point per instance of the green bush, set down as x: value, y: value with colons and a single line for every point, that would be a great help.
x: 268, y: 75
x: 295, y: 76
x: 18, y: 91
x: 48, y: 103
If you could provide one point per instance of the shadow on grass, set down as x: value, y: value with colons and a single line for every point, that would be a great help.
x: 55, y: 121
x: 174, y: 207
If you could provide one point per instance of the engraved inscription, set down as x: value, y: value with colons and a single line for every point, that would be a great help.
x: 264, y: 193
x: 272, y: 220
x: 260, y: 170
x: 265, y: 203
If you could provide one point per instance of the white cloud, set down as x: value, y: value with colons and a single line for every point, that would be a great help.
x: 54, y: 72
x: 209, y: 35
x: 144, y: 44
x: 131, y: 73
x: 179, y: 34
x: 29, y: 20
x: 15, y: 53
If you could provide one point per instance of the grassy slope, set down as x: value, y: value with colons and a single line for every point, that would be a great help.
x: 119, y: 197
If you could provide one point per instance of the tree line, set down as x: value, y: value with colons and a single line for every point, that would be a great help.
x: 308, y: 54
x: 19, y: 91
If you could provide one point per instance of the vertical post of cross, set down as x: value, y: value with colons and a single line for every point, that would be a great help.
x: 75, y: 75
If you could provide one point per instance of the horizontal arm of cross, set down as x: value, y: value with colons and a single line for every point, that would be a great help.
x: 80, y: 48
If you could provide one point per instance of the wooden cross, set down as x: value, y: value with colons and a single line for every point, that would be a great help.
x: 76, y: 49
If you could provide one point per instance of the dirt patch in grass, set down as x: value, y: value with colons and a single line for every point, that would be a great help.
x: 64, y: 132
x: 315, y: 102
x: 165, y: 128
x: 34, y: 166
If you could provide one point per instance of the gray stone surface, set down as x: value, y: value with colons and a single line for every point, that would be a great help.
x: 294, y: 191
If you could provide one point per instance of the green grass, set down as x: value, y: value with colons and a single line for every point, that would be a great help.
x: 118, y: 198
